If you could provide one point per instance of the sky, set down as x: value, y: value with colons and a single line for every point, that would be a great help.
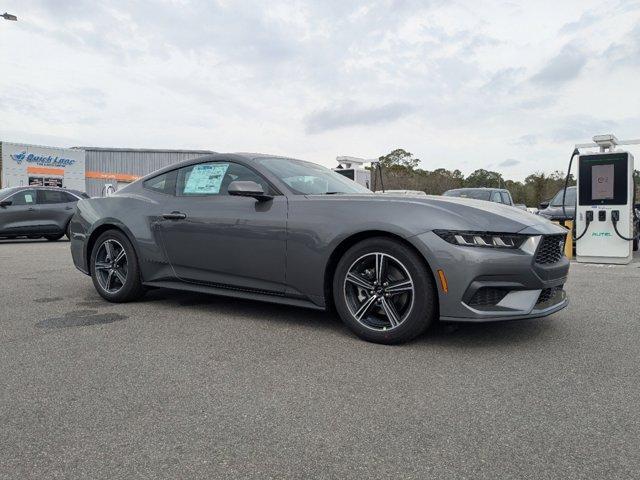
x: 509, y: 86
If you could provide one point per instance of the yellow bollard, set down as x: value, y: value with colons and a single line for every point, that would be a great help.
x: 568, y: 245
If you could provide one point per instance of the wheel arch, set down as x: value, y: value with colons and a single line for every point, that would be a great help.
x: 99, y: 230
x: 350, y: 241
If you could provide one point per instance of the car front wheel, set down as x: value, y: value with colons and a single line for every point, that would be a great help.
x: 114, y: 268
x: 384, y: 292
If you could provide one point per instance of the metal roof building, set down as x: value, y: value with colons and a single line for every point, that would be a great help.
x: 108, y: 168
x: 97, y: 171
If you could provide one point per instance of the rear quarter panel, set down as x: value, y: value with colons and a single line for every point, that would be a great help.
x: 136, y: 215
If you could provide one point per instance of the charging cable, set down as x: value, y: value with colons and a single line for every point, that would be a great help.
x: 566, y: 185
x: 615, y: 218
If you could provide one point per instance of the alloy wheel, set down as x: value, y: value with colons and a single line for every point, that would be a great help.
x: 111, y: 266
x: 379, y: 291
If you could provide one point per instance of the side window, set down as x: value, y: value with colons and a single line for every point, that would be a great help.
x: 68, y: 198
x: 505, y: 198
x: 26, y: 197
x: 214, y: 178
x: 164, y: 183
x: 495, y: 197
x: 48, y: 197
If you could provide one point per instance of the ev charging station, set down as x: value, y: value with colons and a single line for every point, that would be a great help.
x: 605, y: 202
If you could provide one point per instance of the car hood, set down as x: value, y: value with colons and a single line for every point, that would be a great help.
x: 456, y: 213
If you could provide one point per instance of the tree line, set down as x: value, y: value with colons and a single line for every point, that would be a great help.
x: 400, y: 172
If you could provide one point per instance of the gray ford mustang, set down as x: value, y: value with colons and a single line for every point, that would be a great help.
x: 283, y: 230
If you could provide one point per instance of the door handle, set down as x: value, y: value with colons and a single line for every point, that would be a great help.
x: 31, y: 209
x: 68, y: 208
x: 174, y: 216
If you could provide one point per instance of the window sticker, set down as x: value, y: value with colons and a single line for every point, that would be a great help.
x: 28, y: 198
x: 206, y: 179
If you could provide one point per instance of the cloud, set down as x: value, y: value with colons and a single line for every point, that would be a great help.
x: 351, y: 114
x: 509, y: 162
x: 626, y: 51
x: 565, y: 66
x: 526, y: 140
x: 586, y: 20
x: 578, y: 129
x: 311, y: 78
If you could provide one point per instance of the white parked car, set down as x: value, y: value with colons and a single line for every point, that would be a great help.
x: 402, y: 192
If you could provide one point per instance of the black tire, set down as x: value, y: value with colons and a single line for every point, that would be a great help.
x: 67, y: 231
x: 132, y: 288
x: 416, y: 309
x: 635, y: 245
x: 54, y: 238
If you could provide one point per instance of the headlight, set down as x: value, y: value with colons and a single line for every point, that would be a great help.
x: 482, y: 239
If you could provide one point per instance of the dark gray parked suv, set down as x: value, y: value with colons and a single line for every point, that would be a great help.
x: 36, y: 212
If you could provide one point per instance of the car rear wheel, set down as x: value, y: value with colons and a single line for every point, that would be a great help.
x: 384, y: 292
x: 114, y: 268
x: 53, y: 238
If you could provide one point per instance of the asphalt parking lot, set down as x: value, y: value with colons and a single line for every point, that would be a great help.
x: 193, y: 386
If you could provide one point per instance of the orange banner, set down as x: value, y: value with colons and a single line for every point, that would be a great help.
x: 120, y: 177
x: 46, y: 171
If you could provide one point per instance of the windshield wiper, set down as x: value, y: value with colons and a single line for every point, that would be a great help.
x: 333, y: 193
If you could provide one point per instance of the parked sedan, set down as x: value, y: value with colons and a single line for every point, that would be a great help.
x: 36, y: 212
x: 553, y: 210
x: 496, y: 195
x: 288, y: 231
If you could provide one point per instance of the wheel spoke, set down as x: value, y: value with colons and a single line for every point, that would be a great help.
x: 391, y: 312
x: 119, y: 257
x: 380, y: 268
x: 358, y: 280
x: 399, y: 287
x: 102, y: 266
x: 120, y: 276
x: 108, y: 281
x: 364, y: 308
x: 109, y: 249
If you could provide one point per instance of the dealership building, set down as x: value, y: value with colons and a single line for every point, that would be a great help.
x: 96, y: 171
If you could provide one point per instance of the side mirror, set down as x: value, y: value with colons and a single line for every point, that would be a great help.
x: 5, y: 203
x: 248, y: 188
x: 543, y: 205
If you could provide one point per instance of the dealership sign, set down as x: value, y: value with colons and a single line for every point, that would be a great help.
x: 22, y: 164
x: 42, y: 160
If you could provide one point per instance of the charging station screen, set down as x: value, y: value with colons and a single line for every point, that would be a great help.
x: 602, y: 180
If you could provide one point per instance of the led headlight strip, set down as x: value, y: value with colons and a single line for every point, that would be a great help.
x: 482, y: 239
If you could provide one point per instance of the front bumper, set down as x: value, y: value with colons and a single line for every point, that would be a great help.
x: 486, y: 285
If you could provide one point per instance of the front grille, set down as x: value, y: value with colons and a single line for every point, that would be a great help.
x: 487, y: 296
x: 551, y: 249
x: 548, y: 294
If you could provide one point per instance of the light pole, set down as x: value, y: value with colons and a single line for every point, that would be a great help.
x: 8, y: 16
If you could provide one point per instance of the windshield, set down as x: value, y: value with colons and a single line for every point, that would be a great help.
x: 475, y: 194
x: 570, y: 199
x: 306, y: 178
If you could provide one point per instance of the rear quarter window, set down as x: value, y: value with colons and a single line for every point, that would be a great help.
x: 165, y: 183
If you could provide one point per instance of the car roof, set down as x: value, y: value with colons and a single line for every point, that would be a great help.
x: 13, y: 190
x: 242, y: 157
x: 477, y: 188
x: 43, y: 187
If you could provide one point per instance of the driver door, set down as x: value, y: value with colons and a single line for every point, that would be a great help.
x: 21, y: 217
x: 213, y: 238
